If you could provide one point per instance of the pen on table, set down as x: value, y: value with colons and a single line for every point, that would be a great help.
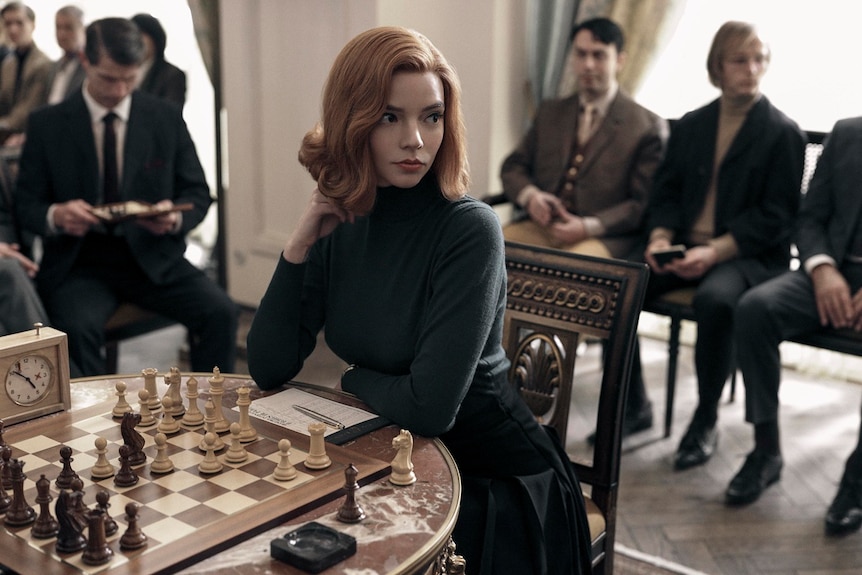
x: 318, y: 416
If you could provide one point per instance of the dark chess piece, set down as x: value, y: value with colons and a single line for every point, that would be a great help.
x: 133, y: 439
x: 78, y: 493
x: 350, y: 511
x: 19, y: 512
x: 102, y: 502
x: 5, y: 473
x: 133, y: 538
x: 5, y: 500
x: 126, y: 476
x: 67, y: 474
x: 46, y: 526
x: 97, y: 551
x: 2, y: 441
x: 69, y: 537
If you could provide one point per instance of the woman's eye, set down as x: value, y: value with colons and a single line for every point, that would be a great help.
x: 435, y: 117
x: 388, y: 118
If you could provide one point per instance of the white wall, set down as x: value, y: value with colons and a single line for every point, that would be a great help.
x: 275, y: 58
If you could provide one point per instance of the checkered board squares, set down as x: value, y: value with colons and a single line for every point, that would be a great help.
x: 174, y: 505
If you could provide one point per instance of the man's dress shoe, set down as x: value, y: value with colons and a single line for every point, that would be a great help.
x: 759, y: 471
x: 697, y: 446
x: 633, y: 422
x: 845, y: 513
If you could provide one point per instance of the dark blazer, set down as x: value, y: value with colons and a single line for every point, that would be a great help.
x: 617, y: 171
x: 758, y: 186
x: 59, y: 163
x: 832, y: 208
x: 165, y: 80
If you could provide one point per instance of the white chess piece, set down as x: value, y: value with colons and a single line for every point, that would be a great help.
x: 193, y: 416
x: 174, y: 381
x: 147, y: 418
x: 122, y: 405
x: 102, y: 468
x: 236, y: 453
x: 161, y: 462
x: 317, y: 457
x: 210, y: 463
x: 216, y: 396
x: 168, y: 424
x: 247, y: 433
x: 150, y: 375
x: 402, y: 465
x: 284, y: 471
x: 209, y: 426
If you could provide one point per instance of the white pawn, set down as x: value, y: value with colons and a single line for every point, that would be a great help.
x: 147, y: 418
x: 247, y: 433
x: 284, y: 471
x: 168, y: 424
x: 317, y: 457
x: 210, y: 463
x: 161, y: 463
x: 193, y: 416
x: 122, y: 405
x: 236, y: 452
x: 209, y: 426
x: 103, y: 468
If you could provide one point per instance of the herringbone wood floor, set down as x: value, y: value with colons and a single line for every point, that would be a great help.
x: 680, y: 517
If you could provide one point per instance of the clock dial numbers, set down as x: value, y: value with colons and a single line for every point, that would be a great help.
x: 29, y: 379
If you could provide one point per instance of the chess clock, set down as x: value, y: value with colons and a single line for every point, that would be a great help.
x: 34, y: 366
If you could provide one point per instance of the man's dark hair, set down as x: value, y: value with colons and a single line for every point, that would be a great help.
x: 117, y: 38
x: 605, y: 30
x: 19, y: 6
x: 150, y: 26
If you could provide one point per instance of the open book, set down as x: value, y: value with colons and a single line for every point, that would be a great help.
x: 119, y: 211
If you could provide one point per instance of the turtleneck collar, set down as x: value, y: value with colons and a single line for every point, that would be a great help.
x: 398, y: 204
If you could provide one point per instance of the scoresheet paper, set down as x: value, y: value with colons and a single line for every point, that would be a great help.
x: 278, y: 409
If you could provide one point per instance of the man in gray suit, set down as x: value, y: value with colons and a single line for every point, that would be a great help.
x: 826, y: 291
x: 67, y: 73
x: 582, y: 171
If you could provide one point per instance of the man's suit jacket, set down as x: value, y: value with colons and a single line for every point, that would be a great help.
x: 617, y: 171
x: 165, y: 80
x: 76, y: 80
x: 758, y: 186
x: 32, y: 93
x: 832, y: 208
x: 59, y: 163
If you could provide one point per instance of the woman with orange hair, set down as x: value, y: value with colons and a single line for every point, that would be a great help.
x: 407, y: 274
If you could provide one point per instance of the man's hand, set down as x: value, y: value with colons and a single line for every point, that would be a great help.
x: 544, y: 208
x: 14, y: 251
x: 569, y: 229
x: 654, y: 246
x: 696, y: 262
x: 161, y: 224
x: 74, y: 217
x: 832, y: 296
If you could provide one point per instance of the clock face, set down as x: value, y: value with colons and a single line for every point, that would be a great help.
x: 29, y: 379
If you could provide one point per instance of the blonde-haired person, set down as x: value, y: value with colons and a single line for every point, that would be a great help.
x: 728, y: 189
x: 407, y: 274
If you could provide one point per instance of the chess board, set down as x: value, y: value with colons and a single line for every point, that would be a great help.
x: 185, y: 514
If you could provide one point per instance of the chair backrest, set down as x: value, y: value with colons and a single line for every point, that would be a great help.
x: 555, y: 300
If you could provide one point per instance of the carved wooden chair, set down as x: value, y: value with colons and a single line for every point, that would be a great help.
x: 555, y: 300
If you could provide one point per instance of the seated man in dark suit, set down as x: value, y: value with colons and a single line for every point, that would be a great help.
x: 143, y: 149
x: 826, y: 291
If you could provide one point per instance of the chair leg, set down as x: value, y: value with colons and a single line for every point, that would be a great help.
x: 672, y: 357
